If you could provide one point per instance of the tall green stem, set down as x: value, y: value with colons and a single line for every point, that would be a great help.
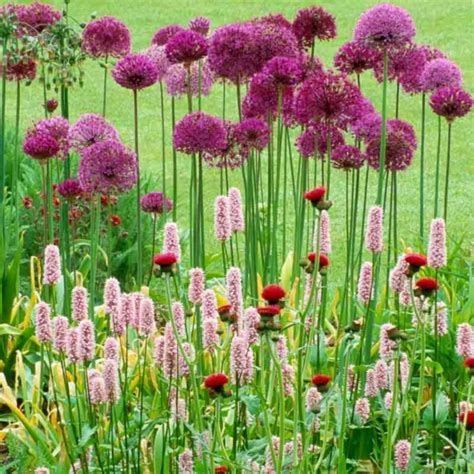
x: 438, y: 164
x: 383, y: 136
x: 422, y: 165
x: 448, y: 164
x: 139, y: 223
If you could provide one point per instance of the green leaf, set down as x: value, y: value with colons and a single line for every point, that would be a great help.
x: 313, y: 354
x: 7, y: 330
x: 252, y: 402
x: 442, y: 411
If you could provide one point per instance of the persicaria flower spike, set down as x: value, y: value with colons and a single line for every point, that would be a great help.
x: 465, y: 340
x: 111, y: 380
x: 52, y: 265
x: 171, y: 240
x: 437, y: 244
x: 364, y: 286
x: 374, y: 233
x: 196, y: 285
x: 86, y: 340
x: 146, y: 321
x: 60, y: 329
x: 402, y: 454
x: 325, y: 246
x: 111, y: 349
x: 43, y: 322
x: 222, y: 226
x: 79, y: 303
x: 234, y: 289
x: 237, y: 222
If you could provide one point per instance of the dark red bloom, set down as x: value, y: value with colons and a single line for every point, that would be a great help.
x: 323, y: 259
x: 221, y: 470
x: 27, y: 202
x: 216, y: 381
x: 273, y: 293
x: 51, y: 105
x: 468, y: 418
x: 427, y: 284
x: 224, y: 308
x: 115, y: 220
x: 415, y: 259
x: 320, y: 380
x: 469, y: 362
x: 270, y: 310
x: 315, y: 195
x: 164, y: 259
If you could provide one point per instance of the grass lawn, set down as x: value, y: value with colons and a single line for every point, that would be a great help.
x: 446, y: 27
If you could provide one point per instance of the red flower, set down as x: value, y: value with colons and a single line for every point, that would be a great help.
x: 273, y: 293
x: 468, y: 418
x: 315, y: 195
x: 320, y: 380
x: 415, y: 259
x: 164, y: 259
x: 323, y: 259
x: 270, y: 310
x: 115, y: 220
x: 27, y: 202
x: 225, y: 308
x: 220, y: 470
x: 51, y: 105
x: 469, y: 362
x: 104, y: 200
x: 427, y: 284
x: 216, y: 381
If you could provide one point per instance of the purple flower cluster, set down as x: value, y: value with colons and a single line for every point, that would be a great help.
x: 200, y: 25
x: 176, y: 79
x: 40, y: 146
x: 158, y: 55
x: 355, y: 58
x: 440, y: 72
x: 284, y: 71
x: 314, y: 140
x: 186, y: 47
x: 252, y: 133
x: 313, y: 22
x: 57, y: 128
x: 70, y: 189
x: 451, y: 102
x: 36, y: 17
x: 22, y: 68
x: 90, y: 129
x: 135, y: 71
x: 347, y: 157
x: 161, y: 37
x: 156, y: 203
x: 106, y: 36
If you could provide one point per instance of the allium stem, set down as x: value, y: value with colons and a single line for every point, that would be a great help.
x: 139, y: 224
x: 16, y: 160
x: 175, y: 163
x: 94, y: 243
x: 383, y: 136
x: 2, y: 139
x: 163, y: 141
x: 49, y: 201
x: 153, y: 243
x: 448, y: 164
x: 104, y: 96
x: 422, y: 165
x: 438, y: 160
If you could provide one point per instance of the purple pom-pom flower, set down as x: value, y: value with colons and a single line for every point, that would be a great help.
x: 106, y: 36
x: 135, y: 71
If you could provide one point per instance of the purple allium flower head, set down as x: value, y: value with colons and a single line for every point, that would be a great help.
x: 176, y: 80
x: 111, y: 380
x: 209, y: 304
x: 327, y: 97
x: 313, y: 400
x: 73, y: 347
x: 52, y: 265
x: 37, y: 16
x: 171, y: 240
x: 70, y: 189
x: 156, y: 203
x: 106, y: 36
x: 367, y: 127
x: 200, y: 25
x: 234, y: 289
x: 43, y: 327
x: 314, y: 23
x: 90, y: 129
x: 60, y: 329
x: 79, y: 303
x: 402, y: 454
x: 20, y: 68
x: 135, y: 71
x: 161, y: 37
x: 40, y: 146
x: 440, y: 73
x: 252, y: 133
x: 178, y: 315
x: 158, y: 55
x: 355, y: 58
x: 347, y: 157
x: 284, y: 71
x: 465, y: 340
x: 237, y: 221
x: 437, y: 244
x: 371, y: 389
x: 107, y: 167
x: 186, y: 47
x: 51, y: 105
x: 374, y: 232
x: 314, y: 140
x: 275, y: 19
x: 58, y: 128
x: 325, y: 246
x: 86, y: 339
x: 111, y: 295
x: 146, y: 321
x: 198, y: 132
x: 241, y: 360
x: 185, y: 462
x: 362, y: 410
x: 196, y: 285
x: 400, y: 147
x: 364, y: 286
x: 111, y: 349
x: 159, y: 350
x: 385, y: 26
x: 222, y: 227
x: 451, y: 102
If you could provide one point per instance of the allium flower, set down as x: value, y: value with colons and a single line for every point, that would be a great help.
x: 237, y: 222
x: 176, y: 80
x: 198, y: 132
x: 79, y: 303
x: 400, y: 147
x: 451, y: 102
x: 437, y: 244
x: 107, y: 167
x: 161, y: 37
x: 196, y: 285
x: 355, y: 58
x: 106, y: 36
x: 186, y: 47
x: 374, y: 233
x: 234, y: 289
x: 111, y: 349
x: 40, y: 146
x: 70, y: 189
x: 200, y: 25
x: 156, y: 203
x: 440, y: 73
x: 158, y: 55
x: 52, y: 265
x: 367, y: 127
x: 60, y: 329
x: 465, y: 340
x: 43, y: 322
x: 313, y: 141
x: 284, y: 71
x: 73, y: 346
x: 371, y: 389
x: 222, y: 226
x: 111, y: 380
x: 402, y: 454
x: 51, y: 105
x: 58, y: 128
x: 146, y: 320
x: 362, y: 410
x: 20, y: 68
x: 90, y: 129
x: 185, y: 461
x: 385, y: 26
x: 313, y: 22
x: 37, y: 16
x: 178, y: 316
x: 347, y: 157
x: 313, y: 400
x: 135, y: 71
x: 171, y: 240
x: 86, y: 339
x: 364, y: 286
x: 381, y: 374
x: 241, y: 360
x: 387, y: 346
x: 252, y: 133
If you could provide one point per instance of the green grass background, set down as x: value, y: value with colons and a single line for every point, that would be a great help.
x: 445, y: 25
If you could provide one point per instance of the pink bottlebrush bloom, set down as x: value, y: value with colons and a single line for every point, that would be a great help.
x: 111, y: 295
x: 52, y: 265
x: 97, y: 391
x: 146, y: 322
x: 374, y: 234
x: 179, y: 411
x: 79, y: 303
x: 404, y: 370
x: 386, y: 344
x: 251, y: 322
x: 398, y: 275
x: 159, y: 350
x: 282, y: 349
x: 171, y: 240
x: 237, y: 222
x: 222, y: 228
x: 442, y: 314
x: 111, y: 349
x: 170, y: 352
x: 210, y: 338
x: 350, y: 378
x: 137, y: 298
x: 362, y: 410
x: 288, y: 375
x: 402, y: 454
x: 111, y: 380
x: 241, y: 360
x: 183, y: 368
x: 185, y: 461
x: 465, y: 340
x: 209, y: 305
x: 196, y: 285
x: 437, y: 244
x: 387, y: 401
x: 325, y: 234
x: 313, y: 400
x: 307, y: 287
x: 86, y: 340
x: 127, y: 309
x: 44, y: 331
x: 381, y: 374
x: 60, y: 329
x: 234, y: 289
x: 405, y: 296
x: 371, y: 389
x: 118, y: 323
x: 73, y: 347
x: 364, y: 286
x: 178, y: 315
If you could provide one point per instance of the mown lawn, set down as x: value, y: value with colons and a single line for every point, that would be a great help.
x: 445, y: 26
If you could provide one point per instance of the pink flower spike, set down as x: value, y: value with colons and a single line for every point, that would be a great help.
x: 364, y: 286
x: 52, y: 265
x: 465, y: 340
x: 86, y: 340
x: 43, y: 323
x: 178, y: 315
x: 111, y: 295
x: 60, y: 329
x: 146, y: 324
x: 325, y: 234
x: 222, y: 227
x: 159, y: 350
x: 362, y: 410
x: 313, y: 400
x: 196, y: 285
x: 209, y: 305
x: 374, y: 234
x: 111, y: 349
x: 111, y: 380
x: 171, y: 240
x: 402, y: 454
x: 237, y: 221
x: 234, y: 289
x: 73, y: 347
x: 79, y: 303
x: 437, y: 244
